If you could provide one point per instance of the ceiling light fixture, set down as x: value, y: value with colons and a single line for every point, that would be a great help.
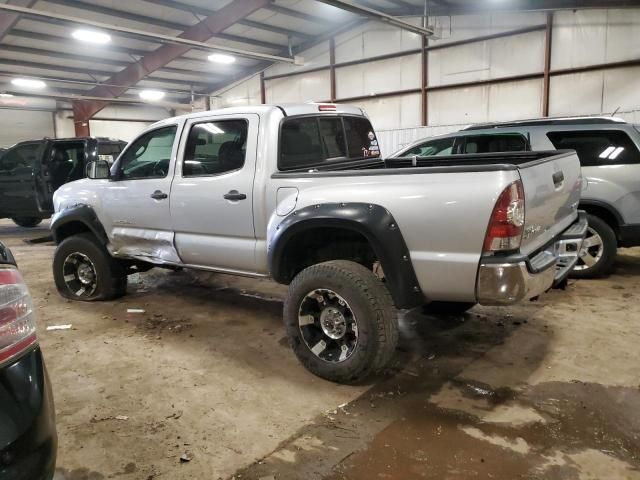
x: 28, y: 83
x: 91, y: 36
x: 221, y: 58
x: 151, y: 95
x: 6, y: 95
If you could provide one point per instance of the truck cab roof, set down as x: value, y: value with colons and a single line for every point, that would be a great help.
x: 287, y: 109
x: 534, y: 122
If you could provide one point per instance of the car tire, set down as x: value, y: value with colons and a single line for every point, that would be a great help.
x: 599, y: 251
x: 27, y: 222
x: 340, y: 321
x: 447, y: 308
x: 84, y: 271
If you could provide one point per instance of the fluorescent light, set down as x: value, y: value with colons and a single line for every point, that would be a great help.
x: 221, y: 58
x: 615, y: 154
x: 28, y: 83
x: 151, y: 95
x: 91, y: 36
x: 607, y: 151
x: 5, y: 95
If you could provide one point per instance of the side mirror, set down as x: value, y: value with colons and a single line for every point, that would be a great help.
x: 98, y: 170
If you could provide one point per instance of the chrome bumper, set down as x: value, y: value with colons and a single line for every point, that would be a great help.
x: 509, y: 280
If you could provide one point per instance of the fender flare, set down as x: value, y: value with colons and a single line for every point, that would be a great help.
x: 83, y: 214
x: 373, y: 222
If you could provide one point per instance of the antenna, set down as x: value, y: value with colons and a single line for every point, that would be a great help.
x: 615, y: 111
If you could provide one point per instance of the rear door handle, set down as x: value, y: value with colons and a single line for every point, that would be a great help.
x: 158, y: 195
x: 235, y: 195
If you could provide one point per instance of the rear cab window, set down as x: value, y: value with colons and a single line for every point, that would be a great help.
x: 597, y: 147
x: 109, y: 151
x: 324, y: 140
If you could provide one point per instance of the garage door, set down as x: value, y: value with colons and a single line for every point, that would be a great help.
x: 25, y: 125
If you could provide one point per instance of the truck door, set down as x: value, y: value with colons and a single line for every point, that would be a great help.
x: 135, y: 203
x: 17, y: 181
x: 211, y: 196
x: 63, y: 162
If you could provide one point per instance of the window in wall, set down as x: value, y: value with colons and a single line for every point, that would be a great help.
x: 597, y: 147
x: 149, y: 156
x: 215, y: 147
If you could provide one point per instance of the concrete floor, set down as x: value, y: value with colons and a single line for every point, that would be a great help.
x: 549, y: 389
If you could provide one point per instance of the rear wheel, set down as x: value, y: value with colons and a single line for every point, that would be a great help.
x: 598, y: 251
x: 27, y: 222
x: 83, y: 270
x: 340, y: 321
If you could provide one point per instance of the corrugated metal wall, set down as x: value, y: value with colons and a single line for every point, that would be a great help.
x: 580, y: 38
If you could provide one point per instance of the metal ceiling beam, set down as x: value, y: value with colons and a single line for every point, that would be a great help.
x: 352, y: 7
x: 180, y: 27
x: 9, y: 20
x: 223, y: 19
x: 91, y: 83
x: 446, y: 8
x: 182, y: 40
x: 296, y: 14
x: 205, y: 12
x: 94, y: 72
x: 94, y: 59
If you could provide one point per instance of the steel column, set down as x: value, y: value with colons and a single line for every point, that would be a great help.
x: 332, y: 67
x: 425, y: 81
x: 548, y: 37
x: 263, y: 89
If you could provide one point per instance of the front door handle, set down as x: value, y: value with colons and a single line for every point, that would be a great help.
x: 235, y: 195
x: 158, y: 195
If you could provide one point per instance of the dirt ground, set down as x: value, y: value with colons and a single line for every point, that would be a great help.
x: 545, y: 390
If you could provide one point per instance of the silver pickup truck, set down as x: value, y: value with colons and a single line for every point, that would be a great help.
x: 300, y: 194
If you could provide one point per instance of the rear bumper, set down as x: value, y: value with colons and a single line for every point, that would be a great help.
x: 505, y: 280
x: 28, y: 438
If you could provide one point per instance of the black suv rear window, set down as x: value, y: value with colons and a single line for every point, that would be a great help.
x: 597, y: 147
x: 308, y: 142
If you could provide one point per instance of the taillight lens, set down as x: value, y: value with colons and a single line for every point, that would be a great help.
x: 17, y: 322
x: 507, y: 220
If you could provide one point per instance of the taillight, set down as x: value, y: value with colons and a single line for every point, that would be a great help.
x: 17, y: 322
x: 507, y: 220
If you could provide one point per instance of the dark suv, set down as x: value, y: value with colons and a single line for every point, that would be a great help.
x: 28, y: 440
x: 609, y: 152
x: 31, y: 171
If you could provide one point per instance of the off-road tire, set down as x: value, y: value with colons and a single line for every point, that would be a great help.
x: 609, y: 250
x: 27, y: 222
x: 372, y: 306
x: 110, y: 273
x: 447, y: 308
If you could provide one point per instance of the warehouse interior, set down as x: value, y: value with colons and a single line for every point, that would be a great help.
x: 191, y: 374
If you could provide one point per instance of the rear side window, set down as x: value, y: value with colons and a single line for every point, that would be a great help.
x: 20, y: 159
x: 597, y: 147
x: 214, y: 148
x: 491, y: 143
x: 307, y: 142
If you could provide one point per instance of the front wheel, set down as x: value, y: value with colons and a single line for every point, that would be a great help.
x: 340, y: 321
x: 27, y: 222
x: 598, y: 251
x: 83, y: 270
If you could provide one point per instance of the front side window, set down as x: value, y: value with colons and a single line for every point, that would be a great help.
x: 438, y: 147
x: 20, y: 159
x: 597, y: 147
x: 149, y: 156
x: 214, y: 148
x: 307, y: 142
x: 66, y: 163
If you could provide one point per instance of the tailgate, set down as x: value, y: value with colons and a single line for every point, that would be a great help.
x: 552, y: 188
